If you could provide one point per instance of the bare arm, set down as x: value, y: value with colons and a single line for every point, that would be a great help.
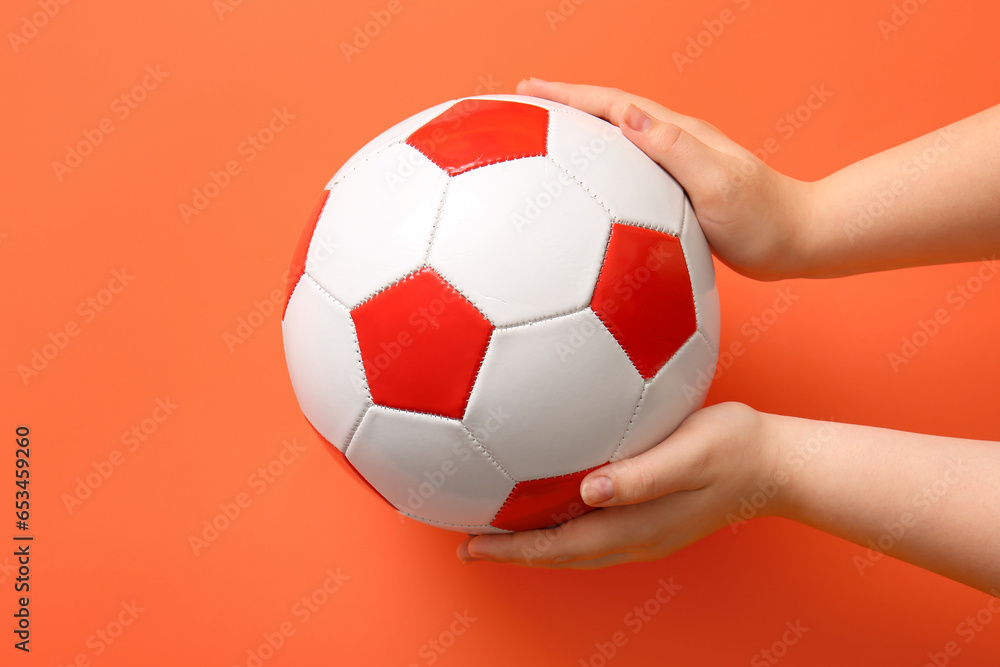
x: 933, y: 200
x: 929, y: 500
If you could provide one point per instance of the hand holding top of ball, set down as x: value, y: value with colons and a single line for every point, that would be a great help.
x: 749, y: 212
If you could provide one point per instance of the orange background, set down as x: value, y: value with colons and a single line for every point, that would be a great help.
x: 164, y: 336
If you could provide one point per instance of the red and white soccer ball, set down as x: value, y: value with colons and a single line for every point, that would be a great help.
x: 493, y: 298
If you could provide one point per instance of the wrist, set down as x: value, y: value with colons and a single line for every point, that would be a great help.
x: 825, y: 238
x: 779, y: 460
x: 801, y: 229
x: 801, y: 450
x: 786, y: 240
x: 752, y: 454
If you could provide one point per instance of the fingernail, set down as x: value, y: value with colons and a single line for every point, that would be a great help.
x: 522, y: 87
x: 463, y: 552
x: 597, y: 490
x: 637, y: 119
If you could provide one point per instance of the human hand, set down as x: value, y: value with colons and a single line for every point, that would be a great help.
x: 755, y: 218
x: 654, y: 503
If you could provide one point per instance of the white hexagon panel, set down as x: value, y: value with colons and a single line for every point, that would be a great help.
x: 497, y: 296
x: 706, y: 295
x: 677, y: 390
x: 324, y: 363
x: 633, y: 188
x: 376, y: 225
x: 429, y: 467
x: 521, y: 240
x: 574, y: 358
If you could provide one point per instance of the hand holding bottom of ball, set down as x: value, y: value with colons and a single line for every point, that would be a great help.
x: 655, y: 503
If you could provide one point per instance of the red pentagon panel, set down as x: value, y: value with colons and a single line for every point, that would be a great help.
x: 298, y: 266
x: 644, y: 296
x: 421, y: 345
x: 475, y: 133
x: 348, y: 467
x: 540, y: 503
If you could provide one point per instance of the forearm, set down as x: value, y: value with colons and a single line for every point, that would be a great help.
x: 932, y: 200
x: 929, y: 500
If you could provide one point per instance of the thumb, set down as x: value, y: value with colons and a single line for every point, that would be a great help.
x: 687, y: 158
x: 669, y: 466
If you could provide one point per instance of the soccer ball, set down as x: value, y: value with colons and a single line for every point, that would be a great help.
x: 490, y: 300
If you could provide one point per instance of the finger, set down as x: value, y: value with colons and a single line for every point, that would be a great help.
x: 676, y: 464
x: 611, y: 105
x: 588, y: 537
x: 591, y: 564
x: 463, y: 550
x: 595, y: 100
x: 596, y: 563
x: 606, y: 103
x: 696, y: 166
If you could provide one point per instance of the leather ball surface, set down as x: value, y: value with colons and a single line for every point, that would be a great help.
x: 493, y: 298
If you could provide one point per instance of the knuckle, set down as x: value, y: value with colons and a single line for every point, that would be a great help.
x: 640, y: 478
x: 699, y: 464
x: 726, y: 183
x: 618, y: 108
x: 617, y: 93
x: 647, y: 479
x: 668, y: 137
x: 705, y: 126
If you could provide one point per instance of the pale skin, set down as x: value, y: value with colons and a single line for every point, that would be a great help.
x: 932, y: 501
